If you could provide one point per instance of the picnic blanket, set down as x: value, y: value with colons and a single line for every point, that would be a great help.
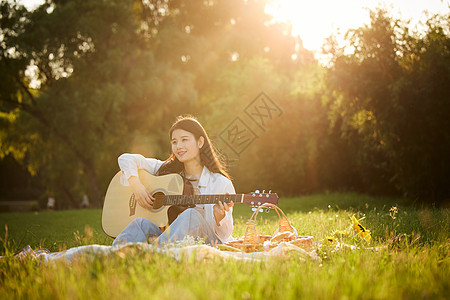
x: 188, y: 252
x: 284, y: 243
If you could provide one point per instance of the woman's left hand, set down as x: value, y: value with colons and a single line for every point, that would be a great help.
x: 220, y: 209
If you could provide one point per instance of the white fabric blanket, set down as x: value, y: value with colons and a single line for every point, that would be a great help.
x: 188, y: 252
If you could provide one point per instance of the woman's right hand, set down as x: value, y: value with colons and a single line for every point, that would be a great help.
x: 142, y: 195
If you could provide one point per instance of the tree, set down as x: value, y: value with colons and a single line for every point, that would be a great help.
x: 94, y: 82
x: 113, y: 77
x: 392, y: 97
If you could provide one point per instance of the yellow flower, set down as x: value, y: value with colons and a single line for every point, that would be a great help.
x: 360, y: 230
x: 357, y: 226
x: 365, y: 235
x: 330, y: 240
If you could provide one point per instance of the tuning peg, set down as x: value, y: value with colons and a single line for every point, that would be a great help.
x: 257, y: 191
x: 264, y: 191
x: 255, y: 208
x: 270, y: 191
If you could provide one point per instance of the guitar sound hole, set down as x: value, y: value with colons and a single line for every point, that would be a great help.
x: 159, y: 200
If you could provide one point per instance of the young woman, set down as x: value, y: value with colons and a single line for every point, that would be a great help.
x: 193, y: 157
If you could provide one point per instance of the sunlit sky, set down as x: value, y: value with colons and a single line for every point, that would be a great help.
x: 315, y: 20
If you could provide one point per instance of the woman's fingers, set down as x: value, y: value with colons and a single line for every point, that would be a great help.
x: 145, y: 199
x: 150, y: 196
x: 222, y: 206
x: 148, y: 200
x: 227, y: 206
x: 142, y: 203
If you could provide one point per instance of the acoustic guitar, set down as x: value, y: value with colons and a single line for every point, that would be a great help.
x: 121, y: 207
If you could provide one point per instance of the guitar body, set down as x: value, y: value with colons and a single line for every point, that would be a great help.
x: 120, y: 206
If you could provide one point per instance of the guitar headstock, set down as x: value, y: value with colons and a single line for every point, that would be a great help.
x: 256, y: 198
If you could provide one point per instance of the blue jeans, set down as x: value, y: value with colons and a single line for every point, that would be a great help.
x: 189, y: 223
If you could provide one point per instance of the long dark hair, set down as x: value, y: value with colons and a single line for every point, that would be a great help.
x: 208, y: 155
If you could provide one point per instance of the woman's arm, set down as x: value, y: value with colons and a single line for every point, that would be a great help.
x: 224, y: 226
x: 130, y: 164
x: 141, y: 194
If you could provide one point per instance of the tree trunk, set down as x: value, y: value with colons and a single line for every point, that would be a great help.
x: 68, y: 194
x: 94, y: 187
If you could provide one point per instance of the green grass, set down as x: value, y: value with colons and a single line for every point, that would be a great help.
x: 413, y: 266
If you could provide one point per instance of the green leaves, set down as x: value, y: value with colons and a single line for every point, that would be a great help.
x: 392, y: 76
x: 83, y: 81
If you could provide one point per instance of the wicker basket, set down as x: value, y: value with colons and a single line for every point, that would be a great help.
x: 252, y: 241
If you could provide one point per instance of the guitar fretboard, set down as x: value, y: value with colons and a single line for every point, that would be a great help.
x: 201, y: 199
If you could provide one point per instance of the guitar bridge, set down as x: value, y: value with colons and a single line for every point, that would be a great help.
x: 132, y: 205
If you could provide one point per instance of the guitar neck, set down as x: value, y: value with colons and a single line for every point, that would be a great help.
x: 202, y: 199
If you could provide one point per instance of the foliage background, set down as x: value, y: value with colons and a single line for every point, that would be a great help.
x: 83, y: 81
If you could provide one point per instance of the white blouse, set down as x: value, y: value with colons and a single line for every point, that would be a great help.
x: 209, y: 183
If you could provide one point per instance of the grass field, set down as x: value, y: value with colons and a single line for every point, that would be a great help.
x: 413, y: 263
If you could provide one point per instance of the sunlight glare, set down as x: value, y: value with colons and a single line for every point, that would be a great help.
x: 314, y: 21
